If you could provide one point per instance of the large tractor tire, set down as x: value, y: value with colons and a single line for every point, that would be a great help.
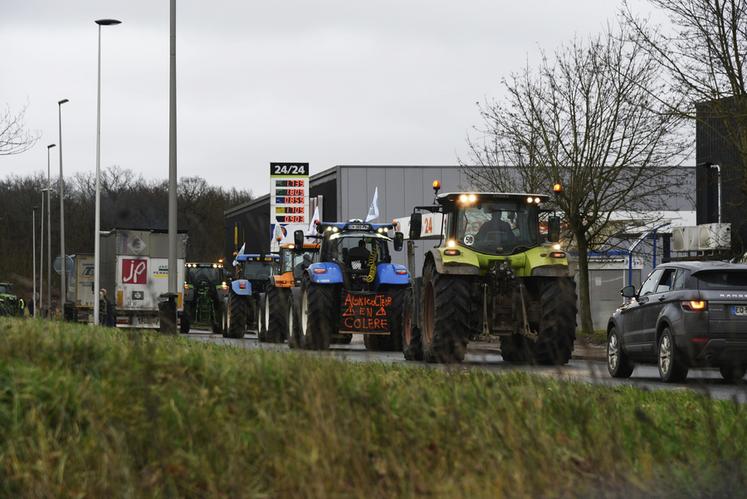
x: 238, y: 313
x: 318, y: 311
x: 411, y: 346
x: 295, y: 334
x: 557, y: 325
x: 389, y: 342
x: 446, y: 313
x: 274, y: 313
x: 218, y: 318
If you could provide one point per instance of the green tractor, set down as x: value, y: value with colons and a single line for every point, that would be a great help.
x: 10, y: 304
x: 493, y: 273
x: 205, y: 294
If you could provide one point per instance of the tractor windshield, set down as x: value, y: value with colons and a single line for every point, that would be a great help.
x: 498, y: 227
x: 292, y: 259
x: 257, y: 271
x: 4, y: 288
x: 355, y: 250
x: 211, y: 275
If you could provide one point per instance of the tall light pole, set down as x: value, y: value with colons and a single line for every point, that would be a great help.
x: 63, y: 294
x: 33, y: 253
x: 97, y: 222
x: 49, y: 230
x: 38, y: 304
x: 172, y: 157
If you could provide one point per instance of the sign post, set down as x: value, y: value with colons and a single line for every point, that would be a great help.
x: 289, y: 200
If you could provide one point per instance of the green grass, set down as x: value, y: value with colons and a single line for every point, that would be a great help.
x: 98, y: 413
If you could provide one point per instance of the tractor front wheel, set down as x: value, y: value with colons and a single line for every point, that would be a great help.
x: 275, y: 315
x: 238, y: 312
x: 319, y: 304
x: 446, y: 313
x: 557, y: 326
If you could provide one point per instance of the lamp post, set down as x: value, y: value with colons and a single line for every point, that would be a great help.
x: 33, y: 253
x: 172, y: 169
x: 49, y: 230
x: 38, y: 304
x: 63, y: 294
x: 97, y: 221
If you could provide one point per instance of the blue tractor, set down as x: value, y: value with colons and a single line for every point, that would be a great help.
x: 353, y: 288
x: 251, y: 274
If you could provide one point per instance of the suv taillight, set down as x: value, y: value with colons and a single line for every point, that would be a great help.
x: 695, y: 305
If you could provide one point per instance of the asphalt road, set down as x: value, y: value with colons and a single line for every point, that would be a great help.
x: 706, y: 381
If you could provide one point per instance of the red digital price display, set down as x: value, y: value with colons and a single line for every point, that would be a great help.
x: 289, y: 192
x: 291, y: 183
x: 291, y: 219
x: 290, y: 200
x: 297, y: 210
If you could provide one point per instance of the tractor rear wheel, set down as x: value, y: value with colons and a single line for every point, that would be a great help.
x: 446, y: 313
x: 238, y: 312
x: 391, y: 342
x: 411, y: 346
x: 557, y: 325
x: 218, y: 318
x: 319, y: 305
x: 275, y: 315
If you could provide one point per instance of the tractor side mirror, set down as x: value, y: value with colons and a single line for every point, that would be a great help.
x: 298, y: 238
x: 628, y: 292
x: 553, y: 229
x: 416, y: 225
x: 399, y: 241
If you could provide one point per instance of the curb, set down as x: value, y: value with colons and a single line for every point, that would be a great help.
x: 586, y: 355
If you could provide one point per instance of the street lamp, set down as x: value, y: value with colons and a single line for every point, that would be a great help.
x: 49, y: 230
x: 63, y: 294
x: 33, y: 253
x: 97, y: 221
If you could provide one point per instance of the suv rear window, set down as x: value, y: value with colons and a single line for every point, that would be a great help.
x: 719, y: 279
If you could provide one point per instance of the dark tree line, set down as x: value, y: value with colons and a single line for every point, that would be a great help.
x: 127, y: 201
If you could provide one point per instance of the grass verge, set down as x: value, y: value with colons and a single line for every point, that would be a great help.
x: 95, y: 412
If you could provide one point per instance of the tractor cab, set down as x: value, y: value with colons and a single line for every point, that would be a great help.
x: 204, y: 275
x: 257, y: 269
x: 493, y: 223
x: 358, y: 248
x: 293, y: 260
x: 10, y: 304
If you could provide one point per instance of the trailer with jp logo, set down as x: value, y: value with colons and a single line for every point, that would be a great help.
x: 135, y: 274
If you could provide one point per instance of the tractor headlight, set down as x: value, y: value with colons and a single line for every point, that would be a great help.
x: 451, y: 243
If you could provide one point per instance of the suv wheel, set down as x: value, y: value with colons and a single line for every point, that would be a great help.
x: 618, y: 364
x: 671, y: 367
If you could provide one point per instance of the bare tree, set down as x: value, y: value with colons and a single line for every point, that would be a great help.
x: 15, y: 138
x: 703, y: 52
x: 584, y: 118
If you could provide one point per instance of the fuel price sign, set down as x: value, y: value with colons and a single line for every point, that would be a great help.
x: 289, y: 193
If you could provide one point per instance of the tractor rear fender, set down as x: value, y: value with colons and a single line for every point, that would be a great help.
x: 325, y: 273
x: 464, y: 264
x: 241, y: 287
x: 392, y: 273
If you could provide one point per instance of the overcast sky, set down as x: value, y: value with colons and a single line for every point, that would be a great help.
x: 328, y: 82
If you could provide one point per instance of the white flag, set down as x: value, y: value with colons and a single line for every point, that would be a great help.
x: 373, y: 210
x: 314, y: 219
x: 241, y: 252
